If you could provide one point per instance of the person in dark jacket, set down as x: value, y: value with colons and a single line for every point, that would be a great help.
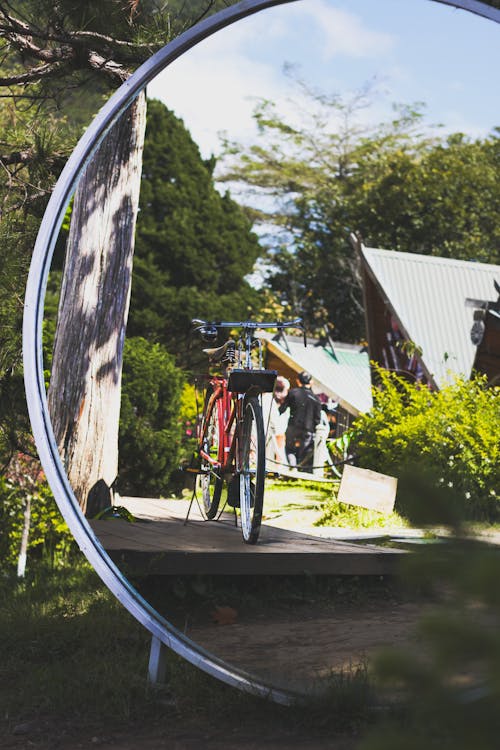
x: 305, y: 415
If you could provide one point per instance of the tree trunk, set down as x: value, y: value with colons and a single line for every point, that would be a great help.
x: 85, y: 385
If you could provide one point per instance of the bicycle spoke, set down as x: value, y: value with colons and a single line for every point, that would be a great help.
x: 252, y: 471
x: 210, y: 479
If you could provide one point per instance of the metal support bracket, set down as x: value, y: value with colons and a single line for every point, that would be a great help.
x: 157, y: 668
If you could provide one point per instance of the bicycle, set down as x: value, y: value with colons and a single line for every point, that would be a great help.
x: 231, y: 434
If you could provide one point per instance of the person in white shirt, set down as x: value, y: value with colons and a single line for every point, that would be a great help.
x: 275, y: 424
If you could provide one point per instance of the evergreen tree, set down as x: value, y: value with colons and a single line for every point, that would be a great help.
x: 194, y: 246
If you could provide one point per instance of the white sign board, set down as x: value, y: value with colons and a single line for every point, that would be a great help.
x: 368, y: 489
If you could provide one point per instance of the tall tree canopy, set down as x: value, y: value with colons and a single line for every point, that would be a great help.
x: 194, y: 246
x: 328, y: 175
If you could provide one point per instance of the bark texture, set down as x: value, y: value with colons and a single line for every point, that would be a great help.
x: 84, y: 392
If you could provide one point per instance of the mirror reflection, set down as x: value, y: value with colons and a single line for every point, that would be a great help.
x: 297, y: 168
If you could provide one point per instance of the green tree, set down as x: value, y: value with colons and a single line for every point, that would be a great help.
x: 328, y: 176
x: 440, y: 201
x: 31, y: 157
x: 194, y: 246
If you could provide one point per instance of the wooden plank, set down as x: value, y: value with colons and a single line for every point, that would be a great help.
x: 135, y: 563
x: 367, y: 489
x: 170, y: 547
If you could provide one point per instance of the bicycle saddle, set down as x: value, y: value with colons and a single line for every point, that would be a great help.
x: 221, y: 353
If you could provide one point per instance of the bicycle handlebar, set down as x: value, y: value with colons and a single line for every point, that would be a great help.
x: 248, y: 324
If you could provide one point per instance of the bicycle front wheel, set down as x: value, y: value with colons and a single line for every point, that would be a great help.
x: 252, y: 470
x: 210, y: 477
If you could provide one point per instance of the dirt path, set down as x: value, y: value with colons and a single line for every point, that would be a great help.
x: 302, y: 650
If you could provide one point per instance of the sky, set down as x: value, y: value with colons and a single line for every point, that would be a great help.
x: 413, y: 51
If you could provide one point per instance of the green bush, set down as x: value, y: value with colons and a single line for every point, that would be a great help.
x: 50, y: 540
x: 454, y: 433
x: 150, y: 433
x: 189, y: 413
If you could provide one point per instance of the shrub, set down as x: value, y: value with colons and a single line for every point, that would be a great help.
x: 150, y: 433
x: 455, y: 432
x: 190, y: 408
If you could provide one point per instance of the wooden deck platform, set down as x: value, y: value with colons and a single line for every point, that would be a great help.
x: 159, y: 542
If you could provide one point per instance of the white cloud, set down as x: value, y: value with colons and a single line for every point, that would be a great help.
x: 215, y: 94
x: 343, y: 33
x: 214, y: 87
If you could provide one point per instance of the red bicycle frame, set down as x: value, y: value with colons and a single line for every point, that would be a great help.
x: 228, y: 407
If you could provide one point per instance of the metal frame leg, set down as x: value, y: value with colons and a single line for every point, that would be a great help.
x: 157, y: 668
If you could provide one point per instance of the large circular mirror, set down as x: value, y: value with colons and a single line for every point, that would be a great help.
x: 164, y: 570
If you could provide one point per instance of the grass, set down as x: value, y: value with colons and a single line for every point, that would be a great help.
x: 296, y: 495
x: 65, y: 640
x: 351, y: 516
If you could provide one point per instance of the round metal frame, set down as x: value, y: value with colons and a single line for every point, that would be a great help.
x: 159, y: 627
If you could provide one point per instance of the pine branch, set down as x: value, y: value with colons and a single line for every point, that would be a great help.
x: 113, y: 69
x: 35, y: 74
x: 94, y: 36
x: 18, y: 32
x: 13, y: 24
x: 203, y: 13
x: 26, y: 201
x: 25, y: 46
x: 58, y: 50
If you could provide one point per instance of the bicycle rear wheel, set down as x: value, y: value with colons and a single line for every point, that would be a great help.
x: 252, y: 470
x: 210, y: 477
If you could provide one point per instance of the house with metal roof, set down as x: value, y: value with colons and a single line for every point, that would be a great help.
x: 418, y: 318
x: 341, y: 372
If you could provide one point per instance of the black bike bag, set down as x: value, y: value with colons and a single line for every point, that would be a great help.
x: 252, y: 381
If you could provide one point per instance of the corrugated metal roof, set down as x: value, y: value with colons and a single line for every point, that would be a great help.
x: 428, y: 295
x: 343, y: 375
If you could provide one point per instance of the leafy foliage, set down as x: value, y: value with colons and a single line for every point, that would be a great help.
x: 411, y: 197
x: 193, y: 249
x: 56, y: 56
x: 150, y: 434
x: 49, y: 540
x: 454, y: 433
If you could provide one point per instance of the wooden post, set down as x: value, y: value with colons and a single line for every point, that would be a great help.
x: 320, y: 456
